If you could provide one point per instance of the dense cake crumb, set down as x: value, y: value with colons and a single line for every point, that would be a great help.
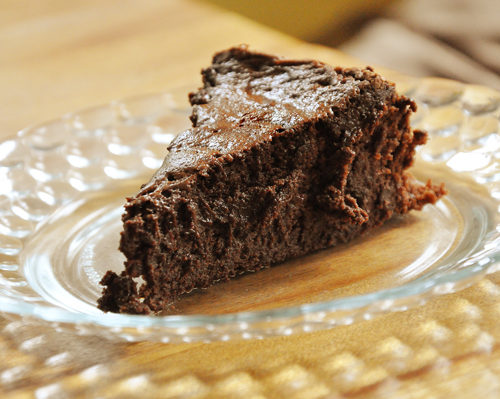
x: 284, y: 158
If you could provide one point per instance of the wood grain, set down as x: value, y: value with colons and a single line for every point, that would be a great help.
x: 59, y: 56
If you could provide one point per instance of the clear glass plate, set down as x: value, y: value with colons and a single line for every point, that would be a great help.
x: 63, y: 186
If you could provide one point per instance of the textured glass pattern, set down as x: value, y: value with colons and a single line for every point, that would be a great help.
x: 64, y: 182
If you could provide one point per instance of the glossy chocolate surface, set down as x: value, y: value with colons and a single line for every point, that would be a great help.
x: 284, y: 158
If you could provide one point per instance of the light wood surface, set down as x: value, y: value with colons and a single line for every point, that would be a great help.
x: 59, y: 56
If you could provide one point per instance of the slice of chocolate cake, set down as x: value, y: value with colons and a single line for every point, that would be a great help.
x: 284, y: 158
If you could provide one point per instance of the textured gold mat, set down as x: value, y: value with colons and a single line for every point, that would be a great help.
x: 445, y: 348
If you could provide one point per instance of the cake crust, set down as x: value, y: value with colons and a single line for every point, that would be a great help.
x: 284, y: 158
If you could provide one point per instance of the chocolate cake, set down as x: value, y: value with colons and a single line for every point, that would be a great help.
x: 284, y: 158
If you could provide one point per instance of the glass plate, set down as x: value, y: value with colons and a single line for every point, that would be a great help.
x: 64, y: 184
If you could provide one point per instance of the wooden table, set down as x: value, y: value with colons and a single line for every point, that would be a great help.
x: 60, y: 56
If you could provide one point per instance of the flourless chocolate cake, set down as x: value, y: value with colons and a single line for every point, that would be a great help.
x: 284, y: 158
